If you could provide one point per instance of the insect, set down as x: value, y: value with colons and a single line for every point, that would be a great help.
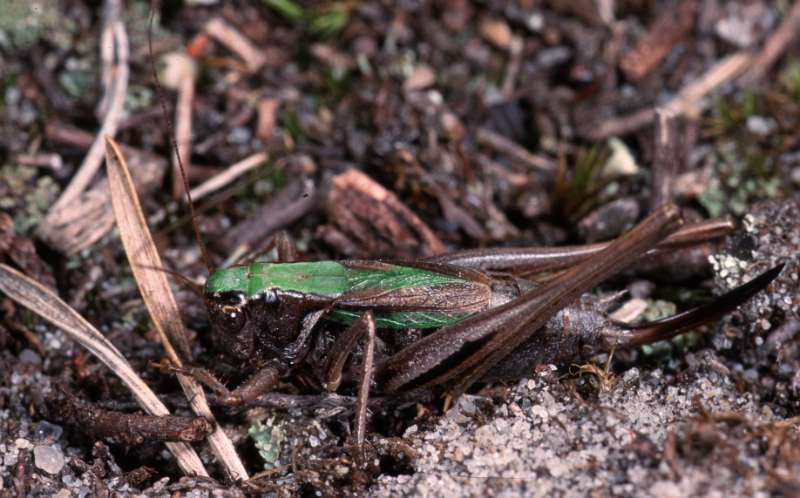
x: 276, y: 319
x: 272, y: 318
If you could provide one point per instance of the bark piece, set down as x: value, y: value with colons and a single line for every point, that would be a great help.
x: 366, y: 220
x: 666, y: 32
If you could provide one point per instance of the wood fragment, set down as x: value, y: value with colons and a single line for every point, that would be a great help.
x: 496, y: 31
x: 20, y: 251
x: 775, y: 46
x: 421, y: 77
x: 267, y: 110
x: 126, y: 428
x: 512, y: 68
x: 671, y: 27
x: 629, y: 311
x: 296, y: 199
x: 513, y: 151
x: 375, y: 220
x: 51, y: 161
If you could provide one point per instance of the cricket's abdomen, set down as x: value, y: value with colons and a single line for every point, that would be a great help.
x: 400, y: 295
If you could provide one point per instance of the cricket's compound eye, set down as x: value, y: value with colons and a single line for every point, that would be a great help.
x: 231, y: 311
x: 227, y: 314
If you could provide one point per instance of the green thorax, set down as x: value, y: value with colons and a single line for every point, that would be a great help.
x: 335, y: 279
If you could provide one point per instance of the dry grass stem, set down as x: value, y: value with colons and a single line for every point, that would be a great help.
x: 94, y: 157
x: 158, y: 297
x: 669, y: 29
x: 183, y: 133
x: 687, y: 102
x: 90, y: 217
x: 236, y: 43
x: 775, y: 46
x: 111, y: 13
x: 230, y: 174
x: 49, y: 306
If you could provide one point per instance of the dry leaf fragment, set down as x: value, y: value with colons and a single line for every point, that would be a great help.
x: 158, y: 297
x: 49, y: 306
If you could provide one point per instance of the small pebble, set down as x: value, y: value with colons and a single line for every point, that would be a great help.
x: 496, y: 31
x: 47, y: 433
x: 759, y: 125
x: 795, y: 175
x: 23, y: 444
x: 48, y: 458
x: 29, y: 356
x: 631, y: 375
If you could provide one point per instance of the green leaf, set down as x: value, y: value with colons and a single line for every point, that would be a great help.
x: 288, y: 9
x: 330, y: 22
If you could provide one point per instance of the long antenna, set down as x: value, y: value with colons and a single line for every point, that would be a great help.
x: 173, y: 141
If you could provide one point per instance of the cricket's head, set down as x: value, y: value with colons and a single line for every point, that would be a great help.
x: 228, y: 316
x: 250, y: 325
x: 228, y: 305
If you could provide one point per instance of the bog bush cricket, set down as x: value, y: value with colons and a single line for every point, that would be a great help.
x: 274, y: 319
x: 267, y: 316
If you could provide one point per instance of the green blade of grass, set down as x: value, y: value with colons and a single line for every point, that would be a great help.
x: 288, y: 9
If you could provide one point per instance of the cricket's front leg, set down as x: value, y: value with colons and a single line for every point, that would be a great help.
x: 260, y: 383
x: 257, y: 385
x: 337, y: 357
x: 265, y: 379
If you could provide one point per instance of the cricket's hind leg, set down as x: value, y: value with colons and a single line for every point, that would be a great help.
x: 364, y: 328
x: 458, y: 355
x: 531, y: 260
x: 645, y: 333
